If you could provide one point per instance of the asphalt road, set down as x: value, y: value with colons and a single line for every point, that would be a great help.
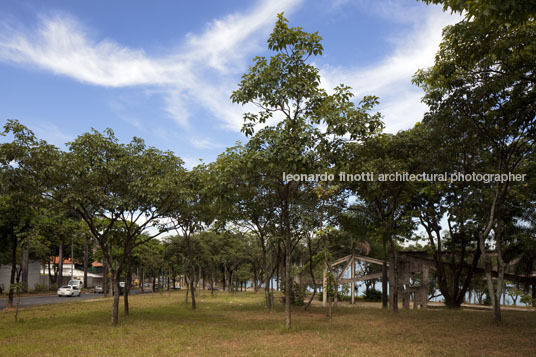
x: 53, y: 299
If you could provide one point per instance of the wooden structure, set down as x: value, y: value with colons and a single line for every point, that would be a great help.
x: 413, y: 277
x: 413, y: 280
x: 349, y: 262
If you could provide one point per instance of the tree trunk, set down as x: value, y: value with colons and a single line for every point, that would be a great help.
x: 25, y: 265
x: 224, y: 271
x: 105, y: 288
x: 192, y: 288
x: 311, y: 272
x: 384, y: 285
x: 13, y: 271
x: 128, y: 283
x: 267, y: 284
x: 142, y: 280
x: 384, y: 276
x: 60, y: 265
x: 115, y: 308
x: 86, y: 259
x: 212, y: 281
x: 288, y: 285
x: 187, y: 288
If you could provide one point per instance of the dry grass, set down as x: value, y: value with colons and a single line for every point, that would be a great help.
x: 162, y: 324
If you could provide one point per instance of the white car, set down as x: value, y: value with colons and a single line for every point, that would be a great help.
x: 68, y: 290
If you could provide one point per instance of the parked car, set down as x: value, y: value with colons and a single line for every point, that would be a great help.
x: 98, y: 289
x: 68, y: 290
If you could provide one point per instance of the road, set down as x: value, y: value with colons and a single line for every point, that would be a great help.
x: 26, y: 301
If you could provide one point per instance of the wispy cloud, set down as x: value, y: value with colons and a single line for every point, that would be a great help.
x: 390, y: 79
x: 198, y: 71
x: 52, y: 134
x: 204, y: 143
x: 202, y: 71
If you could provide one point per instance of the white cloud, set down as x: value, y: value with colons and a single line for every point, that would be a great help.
x: 391, y: 78
x: 203, y: 71
x: 204, y: 143
x: 198, y: 72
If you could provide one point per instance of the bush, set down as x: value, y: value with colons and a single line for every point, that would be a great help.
x: 527, y: 299
x: 297, y: 294
x: 487, y: 300
x: 373, y: 295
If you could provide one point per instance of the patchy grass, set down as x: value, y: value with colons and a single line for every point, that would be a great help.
x: 163, y: 324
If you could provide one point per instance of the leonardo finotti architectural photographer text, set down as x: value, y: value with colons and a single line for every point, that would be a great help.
x: 406, y: 176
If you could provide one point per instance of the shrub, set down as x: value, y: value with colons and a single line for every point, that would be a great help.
x: 297, y: 294
x: 373, y: 295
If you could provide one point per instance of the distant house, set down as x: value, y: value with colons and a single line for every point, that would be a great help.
x: 76, y: 271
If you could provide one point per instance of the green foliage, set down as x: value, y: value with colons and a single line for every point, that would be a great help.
x: 373, y: 295
x: 297, y: 294
x: 491, y: 12
x: 527, y: 300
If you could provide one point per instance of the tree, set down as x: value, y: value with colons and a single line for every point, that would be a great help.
x: 121, y: 186
x: 483, y: 80
x: 248, y: 201
x: 288, y: 85
x: 491, y: 12
x: 454, y: 248
x: 24, y: 163
x: 190, y: 213
x: 386, y: 197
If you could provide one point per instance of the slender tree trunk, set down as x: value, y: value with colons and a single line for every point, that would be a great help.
x: 192, y: 288
x: 199, y: 282
x: 187, y: 289
x: 142, y: 280
x: 128, y: 283
x: 13, y: 271
x: 25, y: 265
x: 18, y: 303
x: 394, y: 292
x: 86, y: 259
x: 212, y: 281
x: 60, y: 265
x: 311, y: 272
x: 224, y: 277
x: 105, y: 288
x: 115, y: 308
x: 288, y: 285
x: 384, y: 276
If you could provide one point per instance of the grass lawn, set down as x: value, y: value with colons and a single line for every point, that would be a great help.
x: 162, y: 324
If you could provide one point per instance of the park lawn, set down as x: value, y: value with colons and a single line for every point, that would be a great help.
x: 162, y: 324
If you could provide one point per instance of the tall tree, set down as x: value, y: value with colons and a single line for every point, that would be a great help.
x: 126, y: 186
x: 288, y: 86
x: 24, y: 163
x: 483, y: 78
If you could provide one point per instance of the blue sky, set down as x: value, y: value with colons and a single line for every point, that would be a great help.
x: 164, y: 70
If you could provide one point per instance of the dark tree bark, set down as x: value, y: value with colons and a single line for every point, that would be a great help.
x: 25, y: 265
x: 13, y: 271
x: 60, y: 265
x: 192, y: 288
x: 86, y: 259
x: 128, y: 283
